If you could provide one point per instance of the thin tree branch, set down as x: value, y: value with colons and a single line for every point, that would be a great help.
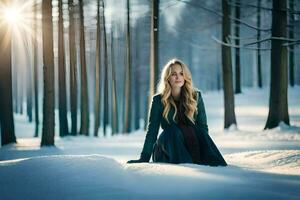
x: 270, y: 38
x: 236, y: 46
x: 242, y: 38
x: 263, y: 8
x: 296, y: 42
x: 221, y: 15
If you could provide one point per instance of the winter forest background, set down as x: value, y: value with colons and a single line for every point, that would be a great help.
x: 113, y: 81
x: 89, y: 68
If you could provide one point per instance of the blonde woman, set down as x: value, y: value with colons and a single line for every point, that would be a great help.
x: 179, y: 109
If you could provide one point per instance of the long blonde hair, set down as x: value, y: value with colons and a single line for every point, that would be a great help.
x: 188, y: 93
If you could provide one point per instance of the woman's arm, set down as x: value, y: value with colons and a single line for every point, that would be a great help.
x: 201, y: 121
x: 152, y: 129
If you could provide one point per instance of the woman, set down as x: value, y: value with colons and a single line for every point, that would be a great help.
x: 179, y: 109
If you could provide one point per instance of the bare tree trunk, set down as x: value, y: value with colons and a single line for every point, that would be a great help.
x: 127, y: 124
x: 219, y: 87
x: 137, y: 86
x: 237, y: 50
x: 21, y: 89
x: 278, y: 104
x: 115, y: 120
x: 28, y: 76
x: 227, y: 69
x: 84, y: 129
x: 48, y: 59
x: 35, y: 68
x: 291, y: 47
x: 73, y: 69
x: 259, y: 77
x: 15, y: 83
x: 105, y: 114
x: 63, y: 121
x: 153, y: 51
x: 28, y: 84
x: 6, y: 108
x: 97, y: 73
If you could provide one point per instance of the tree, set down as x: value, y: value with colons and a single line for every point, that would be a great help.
x: 28, y: 83
x: 227, y: 69
x: 278, y: 104
x: 115, y: 120
x: 20, y: 90
x: 15, y: 85
x: 105, y: 114
x: 291, y: 47
x: 127, y: 124
x: 137, y: 87
x: 259, y: 77
x: 62, y: 105
x: 35, y: 73
x: 97, y: 73
x: 48, y: 59
x: 6, y: 108
x: 73, y: 70
x: 84, y: 129
x: 153, y: 50
x: 237, y: 50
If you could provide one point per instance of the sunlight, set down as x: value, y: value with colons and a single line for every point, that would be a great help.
x: 18, y: 15
x: 12, y: 15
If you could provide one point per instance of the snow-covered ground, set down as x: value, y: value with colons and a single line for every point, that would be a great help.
x: 262, y: 164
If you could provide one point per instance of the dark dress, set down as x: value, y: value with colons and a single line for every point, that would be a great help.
x: 181, y: 141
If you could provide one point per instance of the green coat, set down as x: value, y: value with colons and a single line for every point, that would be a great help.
x: 209, y: 152
x: 156, y: 120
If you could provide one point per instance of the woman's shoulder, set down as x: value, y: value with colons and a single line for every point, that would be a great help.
x: 157, y: 96
x: 197, y: 93
x: 156, y: 100
x: 197, y: 90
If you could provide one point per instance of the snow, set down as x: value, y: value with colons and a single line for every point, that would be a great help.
x: 262, y: 164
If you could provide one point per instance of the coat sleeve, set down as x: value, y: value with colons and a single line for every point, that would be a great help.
x: 152, y: 128
x: 201, y: 121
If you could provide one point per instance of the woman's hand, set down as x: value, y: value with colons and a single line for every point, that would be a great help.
x: 140, y: 160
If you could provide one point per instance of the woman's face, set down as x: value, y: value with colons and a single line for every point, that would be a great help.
x: 176, y: 78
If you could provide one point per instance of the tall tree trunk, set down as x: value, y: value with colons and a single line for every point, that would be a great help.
x: 115, y: 120
x: 84, y: 129
x: 237, y: 50
x: 21, y: 89
x: 35, y: 68
x: 105, y: 114
x: 259, y: 76
x: 127, y: 124
x: 291, y: 47
x: 137, y: 79
x: 73, y: 69
x: 63, y: 121
x: 15, y: 82
x: 97, y: 73
x: 28, y: 84
x: 278, y: 104
x: 227, y: 69
x: 153, y: 51
x: 48, y: 59
x: 6, y: 108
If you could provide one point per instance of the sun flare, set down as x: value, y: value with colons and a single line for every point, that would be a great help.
x: 12, y: 15
x: 18, y: 16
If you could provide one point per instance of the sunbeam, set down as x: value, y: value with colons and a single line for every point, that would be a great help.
x: 19, y: 17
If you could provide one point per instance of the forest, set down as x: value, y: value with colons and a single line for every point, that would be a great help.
x: 100, y: 61
x: 78, y: 80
